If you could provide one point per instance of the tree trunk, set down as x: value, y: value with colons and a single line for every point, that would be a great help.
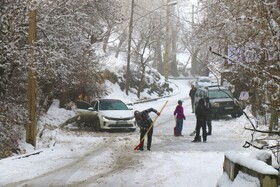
x: 106, y: 37
x: 122, y: 40
x: 174, y: 65
x: 196, y: 67
x: 140, y: 87
x: 158, y: 56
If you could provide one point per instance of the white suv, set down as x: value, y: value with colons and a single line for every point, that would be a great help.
x: 202, y: 82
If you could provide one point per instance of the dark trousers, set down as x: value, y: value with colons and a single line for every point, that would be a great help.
x: 149, y: 137
x: 179, y: 126
x: 209, y: 125
x: 200, y: 124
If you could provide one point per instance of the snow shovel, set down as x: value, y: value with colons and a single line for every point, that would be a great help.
x: 141, y: 141
x: 193, y: 133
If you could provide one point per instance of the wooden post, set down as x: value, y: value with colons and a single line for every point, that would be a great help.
x: 31, y: 126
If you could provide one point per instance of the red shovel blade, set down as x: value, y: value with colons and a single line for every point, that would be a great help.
x: 137, y: 146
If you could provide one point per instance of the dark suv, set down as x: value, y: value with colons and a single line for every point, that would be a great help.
x: 221, y: 99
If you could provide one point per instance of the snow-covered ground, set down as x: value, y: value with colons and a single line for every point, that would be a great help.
x: 78, y: 157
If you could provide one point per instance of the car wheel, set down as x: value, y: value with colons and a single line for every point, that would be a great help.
x: 235, y: 115
x: 96, y: 126
x: 79, y: 124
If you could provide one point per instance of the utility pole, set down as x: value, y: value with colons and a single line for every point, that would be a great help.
x: 127, y: 78
x: 166, y: 50
x: 31, y: 126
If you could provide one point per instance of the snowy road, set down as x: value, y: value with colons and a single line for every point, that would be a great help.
x: 108, y: 159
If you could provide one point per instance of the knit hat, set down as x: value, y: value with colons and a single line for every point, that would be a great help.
x: 136, y: 113
x: 180, y: 102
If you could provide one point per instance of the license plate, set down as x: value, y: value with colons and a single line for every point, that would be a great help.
x: 228, y: 108
x: 121, y: 122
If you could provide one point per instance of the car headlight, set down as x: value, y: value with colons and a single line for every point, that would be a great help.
x: 105, y: 118
x: 216, y: 105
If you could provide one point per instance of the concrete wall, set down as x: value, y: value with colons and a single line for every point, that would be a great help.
x: 269, y: 179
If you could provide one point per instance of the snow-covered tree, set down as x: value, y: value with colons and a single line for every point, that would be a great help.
x: 66, y: 56
x: 245, y: 36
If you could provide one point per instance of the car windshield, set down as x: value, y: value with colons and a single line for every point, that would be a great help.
x: 204, y: 80
x: 112, y: 105
x: 216, y: 94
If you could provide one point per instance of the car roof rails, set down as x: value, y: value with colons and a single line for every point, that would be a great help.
x: 215, y: 86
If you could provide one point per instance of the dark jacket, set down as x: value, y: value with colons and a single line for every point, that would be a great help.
x: 209, y: 109
x: 192, y: 93
x: 146, y: 121
x: 201, y: 111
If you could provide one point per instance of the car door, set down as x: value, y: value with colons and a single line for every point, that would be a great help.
x: 204, y: 94
x: 95, y: 119
x: 85, y: 112
x: 197, y: 97
x: 82, y: 105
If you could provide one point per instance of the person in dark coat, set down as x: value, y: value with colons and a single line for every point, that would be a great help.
x: 209, y: 115
x: 201, y: 114
x: 180, y: 116
x: 192, y: 94
x: 144, y: 122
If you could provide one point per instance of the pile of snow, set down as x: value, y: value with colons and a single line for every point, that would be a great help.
x: 55, y: 115
x: 241, y: 179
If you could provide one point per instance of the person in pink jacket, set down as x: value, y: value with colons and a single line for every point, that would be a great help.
x: 179, y: 116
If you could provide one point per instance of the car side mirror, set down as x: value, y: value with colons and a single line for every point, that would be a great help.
x: 91, y: 109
